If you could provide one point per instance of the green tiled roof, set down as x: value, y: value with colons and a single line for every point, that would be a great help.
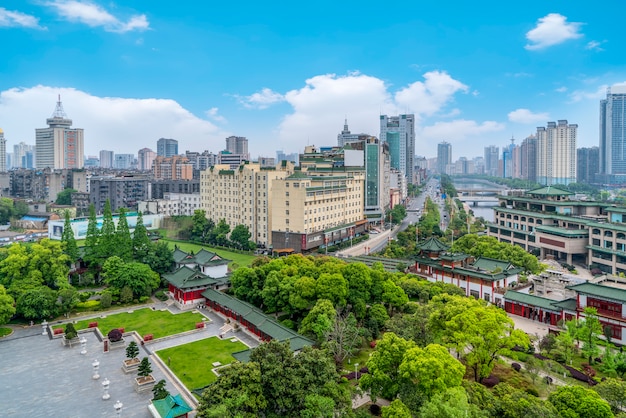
x: 185, y: 278
x: 491, y: 264
x: 453, y: 256
x: 567, y: 304
x: 532, y: 300
x: 436, y: 263
x: 563, y: 232
x: 254, y: 315
x: 297, y: 175
x: 432, y: 244
x: 171, y: 406
x: 549, y: 191
x: 295, y: 344
x: 596, y: 289
x: 202, y: 258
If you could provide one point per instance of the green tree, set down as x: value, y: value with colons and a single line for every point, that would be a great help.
x: 579, y: 402
x: 160, y: 258
x: 48, y: 261
x: 199, y: 225
x: 452, y: 403
x: 332, y: 286
x: 614, y: 392
x: 37, y: 303
x: 384, y: 363
x: 394, y: 296
x: 144, y: 368
x: 138, y: 277
x: 68, y: 298
x: 303, y: 295
x: 589, y: 331
x: 141, y: 241
x: 159, y: 391
x: 123, y: 240
x: 107, y: 242
x: 240, y: 236
x: 64, y: 197
x: 431, y: 370
x: 396, y: 409
x: 91, y: 240
x: 319, y: 320
x: 510, y: 402
x: 70, y: 247
x: 7, y: 306
x: 132, y: 351
x: 478, y: 333
x: 219, y: 234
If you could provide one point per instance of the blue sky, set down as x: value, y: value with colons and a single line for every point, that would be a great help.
x: 286, y: 74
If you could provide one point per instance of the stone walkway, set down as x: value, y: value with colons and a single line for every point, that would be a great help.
x: 42, y: 378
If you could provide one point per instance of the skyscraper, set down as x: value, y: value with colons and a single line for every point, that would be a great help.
x: 400, y: 129
x: 528, y: 158
x: 492, y: 157
x: 444, y: 156
x: 3, y: 152
x: 145, y: 157
x: 59, y: 145
x: 167, y: 147
x: 588, y: 164
x: 238, y: 145
x: 20, y: 155
x: 613, y: 132
x: 556, y: 153
x: 106, y: 159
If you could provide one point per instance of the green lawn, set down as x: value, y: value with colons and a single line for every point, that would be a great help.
x: 145, y: 321
x: 192, y: 363
x: 4, y: 331
x: 242, y: 260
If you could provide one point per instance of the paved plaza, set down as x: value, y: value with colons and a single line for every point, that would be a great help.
x: 42, y: 378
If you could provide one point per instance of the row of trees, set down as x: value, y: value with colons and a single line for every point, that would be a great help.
x: 205, y: 230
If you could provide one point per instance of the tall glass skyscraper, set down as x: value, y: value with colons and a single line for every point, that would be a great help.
x: 167, y: 147
x: 404, y: 127
x: 613, y: 133
x: 444, y: 156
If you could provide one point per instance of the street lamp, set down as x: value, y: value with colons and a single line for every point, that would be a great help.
x: 83, y: 345
x: 118, y: 407
x: 96, y: 366
x: 44, y: 326
x: 105, y: 387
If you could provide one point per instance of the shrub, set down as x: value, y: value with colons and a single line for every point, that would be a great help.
x: 105, y: 300
x: 548, y: 380
x: 144, y: 299
x: 491, y: 381
x: 288, y: 323
x: 70, y: 332
x: 160, y: 295
x: 84, y: 296
x: 532, y: 391
x: 516, y: 366
x: 375, y: 410
x: 115, y: 335
x: 90, y: 305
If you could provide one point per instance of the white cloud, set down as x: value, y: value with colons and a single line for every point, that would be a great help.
x: 428, y: 97
x: 580, y: 95
x: 552, y: 29
x: 261, y: 100
x: 594, y: 45
x: 13, y: 18
x: 119, y: 124
x: 458, y: 130
x: 525, y: 116
x: 94, y: 15
x: 212, y: 113
x: 561, y: 89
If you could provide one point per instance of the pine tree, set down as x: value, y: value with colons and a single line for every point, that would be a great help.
x: 71, y: 249
x: 123, y: 241
x: 107, y: 239
x: 91, y: 240
x: 159, y: 391
x: 144, y: 367
x: 141, y: 241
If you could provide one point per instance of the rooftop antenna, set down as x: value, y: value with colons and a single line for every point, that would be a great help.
x: 58, y: 110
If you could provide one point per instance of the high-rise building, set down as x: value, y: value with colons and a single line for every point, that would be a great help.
x: 492, y: 155
x: 444, y: 156
x: 400, y: 131
x: 613, y: 133
x: 556, y: 153
x: 106, y: 159
x: 177, y: 167
x: 345, y: 137
x: 20, y: 152
x: 588, y: 164
x: 124, y: 161
x: 3, y: 152
x: 167, y: 147
x: 145, y: 157
x: 122, y: 192
x: 528, y: 159
x: 59, y: 145
x: 238, y: 145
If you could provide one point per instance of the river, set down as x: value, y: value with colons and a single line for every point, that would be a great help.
x: 484, y: 209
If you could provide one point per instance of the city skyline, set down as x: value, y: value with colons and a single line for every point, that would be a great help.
x: 131, y: 76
